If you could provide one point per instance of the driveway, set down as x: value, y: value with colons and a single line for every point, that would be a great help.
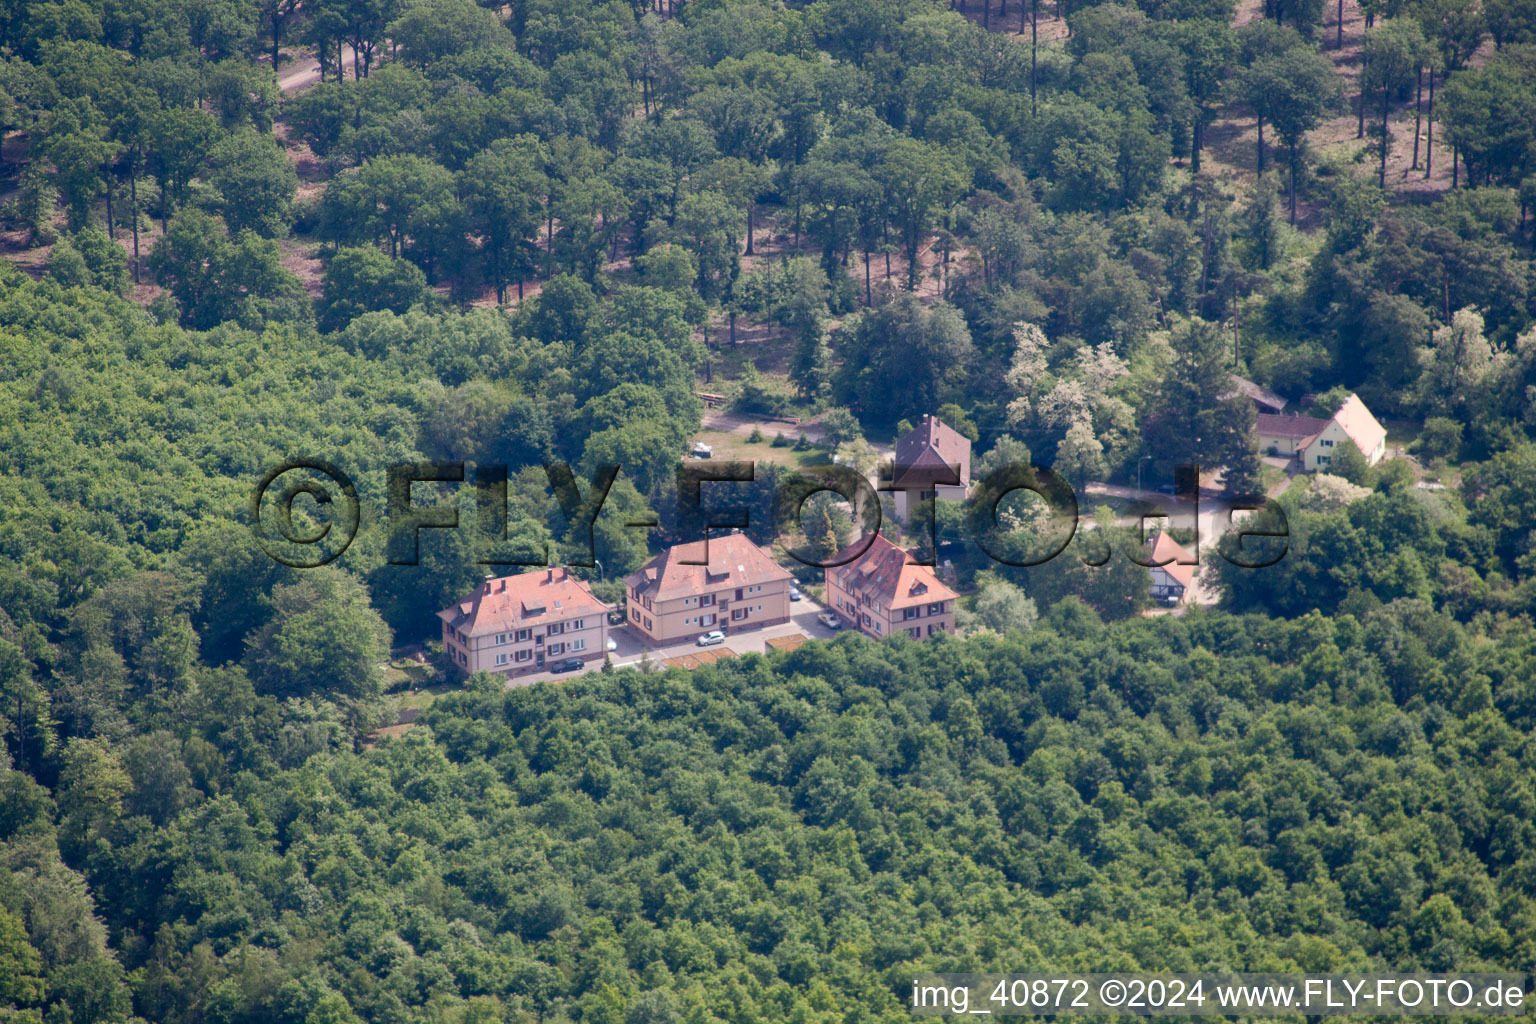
x: 1215, y: 519
x: 632, y: 647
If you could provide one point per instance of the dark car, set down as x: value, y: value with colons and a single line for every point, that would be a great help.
x: 568, y: 665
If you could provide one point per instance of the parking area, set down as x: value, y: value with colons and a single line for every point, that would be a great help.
x: 631, y: 648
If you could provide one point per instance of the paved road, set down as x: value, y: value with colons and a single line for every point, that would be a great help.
x: 632, y: 648
x: 1215, y: 518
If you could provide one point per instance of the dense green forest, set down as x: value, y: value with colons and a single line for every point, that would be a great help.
x: 382, y: 231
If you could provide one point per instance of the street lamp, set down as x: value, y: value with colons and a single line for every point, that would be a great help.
x: 1144, y: 458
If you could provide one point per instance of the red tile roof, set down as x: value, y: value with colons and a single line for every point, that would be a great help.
x: 887, y: 574
x: 1166, y: 549
x: 734, y: 561
x: 518, y: 602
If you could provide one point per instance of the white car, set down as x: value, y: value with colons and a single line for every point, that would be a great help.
x: 613, y: 644
x: 830, y: 620
x: 711, y: 638
x: 794, y: 594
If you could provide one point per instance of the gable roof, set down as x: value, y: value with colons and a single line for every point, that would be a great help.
x: 1166, y: 549
x: 1259, y: 396
x: 887, y: 574
x: 1297, y: 427
x: 734, y: 561
x: 928, y: 452
x: 518, y: 602
x: 1359, y: 425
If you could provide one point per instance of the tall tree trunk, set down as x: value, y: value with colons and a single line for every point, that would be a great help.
x: 1340, y: 44
x: 133, y: 192
x: 1386, y: 99
x: 1293, y: 183
x: 1429, y: 125
x: 110, y: 232
x: 1360, y: 127
x: 1194, y: 162
x: 1455, y: 166
x: 1418, y: 115
x: 1034, y: 50
x: 1261, y: 147
x: 868, y: 300
x: 749, y: 228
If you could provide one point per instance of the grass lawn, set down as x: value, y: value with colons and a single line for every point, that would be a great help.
x: 1269, y: 475
x: 733, y: 446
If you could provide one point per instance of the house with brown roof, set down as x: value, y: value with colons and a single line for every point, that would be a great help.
x: 671, y: 599
x: 527, y: 623
x: 933, y: 460
x: 883, y: 592
x: 1263, y: 399
x: 1313, y: 441
x: 1173, y: 577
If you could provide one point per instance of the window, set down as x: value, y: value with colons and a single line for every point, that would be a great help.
x: 706, y: 600
x: 915, y: 632
x: 706, y: 620
x: 737, y: 614
x: 1323, y: 460
x: 911, y: 613
x: 555, y: 649
x: 501, y: 659
x: 1327, y: 443
x: 634, y: 616
x: 578, y: 645
x: 522, y: 655
x: 523, y: 634
x: 501, y: 638
x: 555, y: 629
x: 578, y: 623
x: 936, y: 609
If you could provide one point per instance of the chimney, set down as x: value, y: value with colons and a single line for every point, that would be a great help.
x: 551, y: 577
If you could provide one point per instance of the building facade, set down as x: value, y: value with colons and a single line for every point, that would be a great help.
x: 1314, y: 441
x: 671, y: 599
x: 882, y: 592
x: 933, y: 461
x: 1173, y: 573
x: 1353, y: 422
x: 523, y: 624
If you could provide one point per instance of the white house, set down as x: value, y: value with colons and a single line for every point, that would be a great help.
x: 1313, y: 441
x: 1171, y: 580
x: 1352, y: 422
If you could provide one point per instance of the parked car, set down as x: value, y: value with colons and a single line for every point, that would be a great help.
x: 794, y: 594
x: 711, y: 638
x: 569, y: 665
x: 701, y: 451
x: 613, y: 644
x: 830, y: 620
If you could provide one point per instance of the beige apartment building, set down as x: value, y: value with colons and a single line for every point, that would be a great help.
x: 882, y: 592
x: 740, y: 589
x: 519, y: 625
